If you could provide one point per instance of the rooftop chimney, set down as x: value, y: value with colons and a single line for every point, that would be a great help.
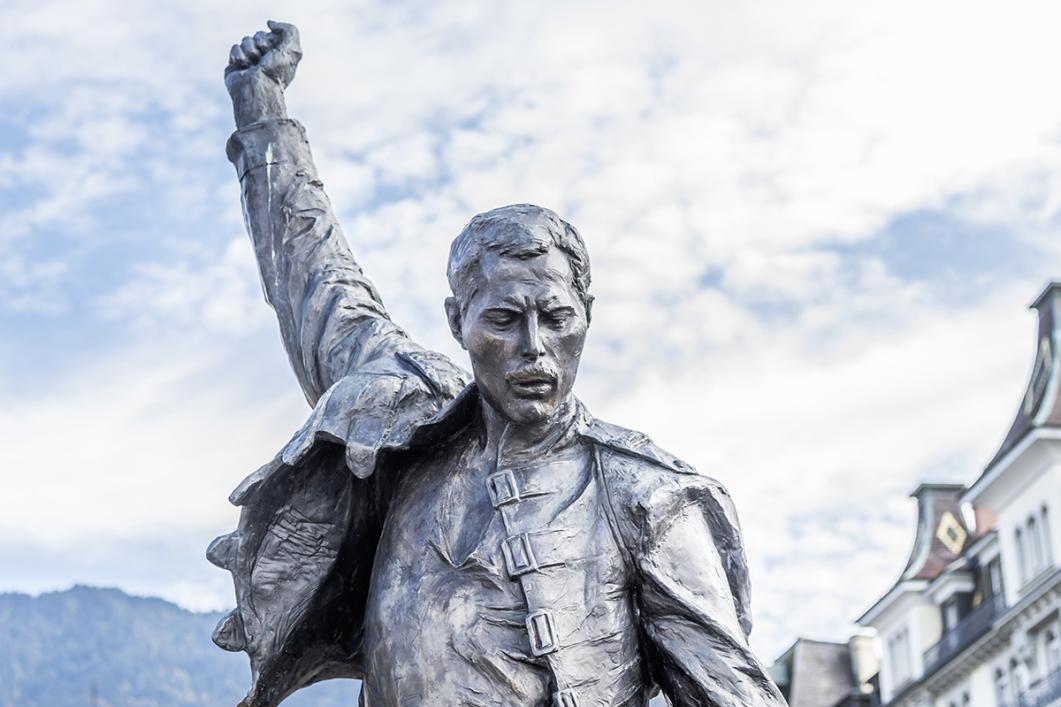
x: 864, y: 661
x: 985, y: 520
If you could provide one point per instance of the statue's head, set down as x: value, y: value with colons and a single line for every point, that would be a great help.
x: 520, y: 307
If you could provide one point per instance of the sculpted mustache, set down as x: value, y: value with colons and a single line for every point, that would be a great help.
x: 532, y: 374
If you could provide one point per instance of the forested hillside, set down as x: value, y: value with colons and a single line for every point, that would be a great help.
x: 102, y: 647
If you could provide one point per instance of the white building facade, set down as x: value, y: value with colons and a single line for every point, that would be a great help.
x: 974, y: 618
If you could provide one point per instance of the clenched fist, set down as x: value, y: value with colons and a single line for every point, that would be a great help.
x: 259, y: 69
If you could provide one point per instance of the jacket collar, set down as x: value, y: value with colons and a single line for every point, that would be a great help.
x: 455, y: 415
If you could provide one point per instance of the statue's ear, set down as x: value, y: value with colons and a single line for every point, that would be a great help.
x: 453, y: 316
x: 589, y: 309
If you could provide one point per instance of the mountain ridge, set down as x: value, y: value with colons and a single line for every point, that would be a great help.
x: 67, y: 648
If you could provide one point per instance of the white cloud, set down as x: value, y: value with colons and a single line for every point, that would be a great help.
x: 219, y: 294
x: 819, y: 445
x: 142, y: 439
x: 712, y: 154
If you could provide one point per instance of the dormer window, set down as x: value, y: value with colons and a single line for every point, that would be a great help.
x: 1040, y: 376
x: 951, y: 533
x: 899, y: 658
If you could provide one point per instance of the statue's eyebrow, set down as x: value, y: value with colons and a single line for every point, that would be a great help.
x: 508, y: 302
x: 552, y: 301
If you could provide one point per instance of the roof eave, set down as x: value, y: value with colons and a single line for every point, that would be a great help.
x: 995, y: 468
x: 902, y: 586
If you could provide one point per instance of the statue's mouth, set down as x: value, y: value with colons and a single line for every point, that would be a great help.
x: 532, y: 384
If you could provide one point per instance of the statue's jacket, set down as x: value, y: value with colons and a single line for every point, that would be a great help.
x: 311, y: 519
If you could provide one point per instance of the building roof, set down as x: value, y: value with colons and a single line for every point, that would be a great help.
x: 815, y: 673
x: 941, y: 531
x: 939, y: 540
x: 1040, y: 405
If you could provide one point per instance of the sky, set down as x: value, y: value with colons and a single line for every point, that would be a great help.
x: 815, y: 229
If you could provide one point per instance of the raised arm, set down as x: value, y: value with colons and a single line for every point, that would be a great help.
x: 331, y: 318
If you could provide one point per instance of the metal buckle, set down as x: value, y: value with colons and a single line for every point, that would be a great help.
x: 503, y: 487
x: 519, y: 556
x: 565, y: 698
x: 542, y: 633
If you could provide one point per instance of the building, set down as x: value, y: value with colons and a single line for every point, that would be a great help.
x: 825, y: 674
x: 974, y: 617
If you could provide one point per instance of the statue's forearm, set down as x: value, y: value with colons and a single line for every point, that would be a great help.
x: 331, y: 318
x: 261, y: 98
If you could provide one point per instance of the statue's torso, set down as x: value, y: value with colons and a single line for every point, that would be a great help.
x: 447, y: 614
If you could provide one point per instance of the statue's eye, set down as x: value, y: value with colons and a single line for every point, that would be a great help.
x: 557, y: 318
x: 501, y: 318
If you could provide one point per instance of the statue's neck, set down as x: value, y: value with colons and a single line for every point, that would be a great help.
x: 502, y: 437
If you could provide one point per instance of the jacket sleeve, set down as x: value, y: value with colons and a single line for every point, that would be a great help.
x: 331, y: 318
x: 693, y: 597
x: 301, y: 558
x: 300, y: 562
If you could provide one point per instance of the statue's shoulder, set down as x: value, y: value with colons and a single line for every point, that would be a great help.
x: 381, y: 405
x: 648, y: 489
x: 437, y: 371
x: 638, y: 468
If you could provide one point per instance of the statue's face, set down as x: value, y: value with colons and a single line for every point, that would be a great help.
x: 524, y: 329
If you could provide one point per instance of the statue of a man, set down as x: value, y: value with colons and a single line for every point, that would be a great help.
x: 455, y: 543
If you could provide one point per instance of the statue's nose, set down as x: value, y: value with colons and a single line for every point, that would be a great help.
x: 533, y: 347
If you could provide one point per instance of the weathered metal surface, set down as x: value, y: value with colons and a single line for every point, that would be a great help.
x: 456, y: 543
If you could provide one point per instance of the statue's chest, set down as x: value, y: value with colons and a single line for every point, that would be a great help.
x: 456, y: 526
x: 495, y: 568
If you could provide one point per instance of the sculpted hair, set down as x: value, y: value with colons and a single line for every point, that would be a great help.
x: 516, y: 231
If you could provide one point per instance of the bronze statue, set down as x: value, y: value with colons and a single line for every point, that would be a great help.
x: 455, y: 543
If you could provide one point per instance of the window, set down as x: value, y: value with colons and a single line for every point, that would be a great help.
x: 1001, y: 687
x: 1048, y: 550
x: 1022, y: 557
x: 1035, y: 547
x: 1053, y: 651
x: 899, y: 657
x: 1016, y: 681
x: 950, y: 613
x: 994, y: 573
